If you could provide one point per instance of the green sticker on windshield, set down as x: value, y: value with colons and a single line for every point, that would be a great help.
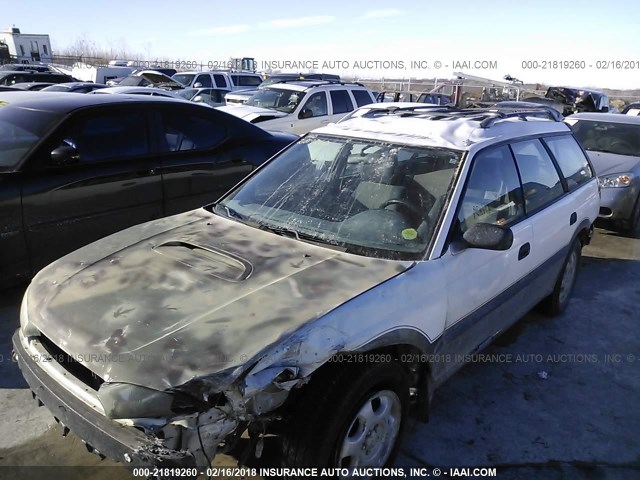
x: 409, y: 234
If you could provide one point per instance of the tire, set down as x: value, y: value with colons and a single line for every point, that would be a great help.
x: 557, y: 302
x: 363, y: 406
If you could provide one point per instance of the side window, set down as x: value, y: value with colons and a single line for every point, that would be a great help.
x: 246, y: 80
x: 540, y: 180
x: 571, y: 159
x: 105, y: 136
x: 316, y: 104
x: 340, y: 101
x: 362, y: 97
x: 493, y: 193
x: 184, y: 131
x: 220, y: 81
x: 204, y: 80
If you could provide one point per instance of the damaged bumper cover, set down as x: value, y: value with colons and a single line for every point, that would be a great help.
x: 102, y: 435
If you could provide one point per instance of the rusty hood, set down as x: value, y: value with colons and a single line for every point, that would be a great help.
x: 190, y: 295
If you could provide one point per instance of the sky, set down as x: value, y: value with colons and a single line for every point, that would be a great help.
x: 553, y: 42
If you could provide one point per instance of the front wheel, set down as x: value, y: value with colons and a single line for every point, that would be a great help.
x: 557, y: 302
x: 349, y: 417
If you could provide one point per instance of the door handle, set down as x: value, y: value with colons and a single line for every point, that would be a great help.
x: 524, y: 251
x: 573, y: 218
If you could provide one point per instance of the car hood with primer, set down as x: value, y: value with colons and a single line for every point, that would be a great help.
x: 609, y: 163
x: 194, y: 294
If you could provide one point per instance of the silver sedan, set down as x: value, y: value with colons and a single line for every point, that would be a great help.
x: 612, y: 142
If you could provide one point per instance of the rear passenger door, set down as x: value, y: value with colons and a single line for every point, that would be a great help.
x: 196, y: 155
x: 552, y: 213
x: 111, y: 187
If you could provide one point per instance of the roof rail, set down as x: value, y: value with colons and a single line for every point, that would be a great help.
x: 486, y: 116
x: 501, y: 114
x: 317, y: 82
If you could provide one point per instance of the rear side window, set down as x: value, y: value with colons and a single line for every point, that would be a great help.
x: 204, y: 80
x: 571, y: 159
x: 362, y: 97
x: 341, y: 101
x: 493, y: 193
x: 246, y: 80
x: 220, y: 81
x: 103, y: 136
x: 185, y: 131
x: 540, y: 180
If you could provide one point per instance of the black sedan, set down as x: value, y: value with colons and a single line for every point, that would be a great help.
x: 75, y: 168
x: 10, y: 78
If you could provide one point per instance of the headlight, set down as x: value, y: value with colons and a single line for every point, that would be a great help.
x: 28, y: 329
x: 124, y: 400
x: 617, y: 180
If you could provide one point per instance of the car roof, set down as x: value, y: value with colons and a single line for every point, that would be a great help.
x: 606, y: 117
x: 444, y: 129
x: 64, y: 103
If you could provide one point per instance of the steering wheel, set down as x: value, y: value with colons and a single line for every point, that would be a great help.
x: 621, y: 145
x: 403, y: 203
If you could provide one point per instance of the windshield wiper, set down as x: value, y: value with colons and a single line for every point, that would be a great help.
x: 287, y: 232
x: 305, y: 237
x: 229, y: 212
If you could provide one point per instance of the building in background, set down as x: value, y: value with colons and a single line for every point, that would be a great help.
x: 26, y: 47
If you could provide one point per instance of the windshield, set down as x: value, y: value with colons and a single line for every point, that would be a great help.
x: 279, y: 99
x: 20, y: 130
x: 371, y: 198
x: 184, y: 78
x: 608, y: 137
x: 57, y: 88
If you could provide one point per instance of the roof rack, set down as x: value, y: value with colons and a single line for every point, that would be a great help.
x: 487, y: 117
x: 317, y: 82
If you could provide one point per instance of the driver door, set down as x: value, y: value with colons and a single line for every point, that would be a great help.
x: 486, y: 284
x: 312, y: 114
x: 110, y: 187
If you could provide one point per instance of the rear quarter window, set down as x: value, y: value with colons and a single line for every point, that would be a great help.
x: 571, y: 159
x: 362, y: 97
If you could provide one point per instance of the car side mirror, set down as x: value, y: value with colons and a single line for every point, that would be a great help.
x: 198, y: 99
x: 485, y: 236
x: 197, y: 85
x: 65, y: 155
x: 305, y: 113
x: 489, y: 237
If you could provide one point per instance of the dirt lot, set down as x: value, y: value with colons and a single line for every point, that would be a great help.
x: 562, y: 401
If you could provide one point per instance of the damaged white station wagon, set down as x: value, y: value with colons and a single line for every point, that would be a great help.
x: 308, y: 302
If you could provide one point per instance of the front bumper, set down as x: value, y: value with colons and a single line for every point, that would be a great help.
x: 103, y: 436
x: 616, y: 204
